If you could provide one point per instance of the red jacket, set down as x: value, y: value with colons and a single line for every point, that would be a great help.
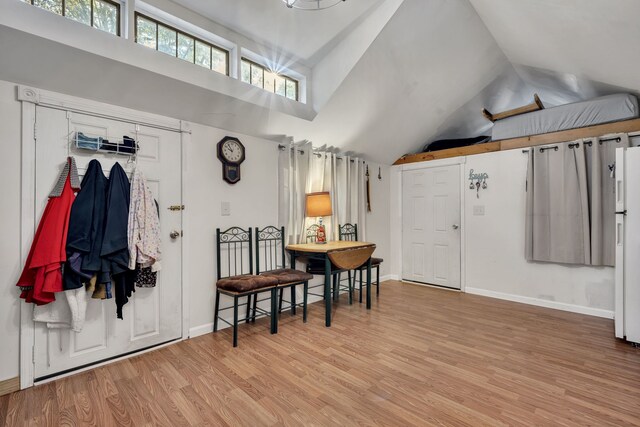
x: 42, y: 274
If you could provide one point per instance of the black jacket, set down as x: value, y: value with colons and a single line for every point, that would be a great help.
x: 115, y: 249
x: 86, y: 227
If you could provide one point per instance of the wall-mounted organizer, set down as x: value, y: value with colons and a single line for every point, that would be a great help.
x: 477, y: 181
x: 125, y: 146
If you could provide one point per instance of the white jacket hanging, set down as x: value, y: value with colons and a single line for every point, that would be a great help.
x: 143, y: 225
x: 69, y: 314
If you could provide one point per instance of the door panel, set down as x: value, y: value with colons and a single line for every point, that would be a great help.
x: 153, y: 315
x: 431, y: 220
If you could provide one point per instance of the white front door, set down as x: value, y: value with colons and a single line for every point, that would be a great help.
x: 153, y: 315
x: 431, y: 226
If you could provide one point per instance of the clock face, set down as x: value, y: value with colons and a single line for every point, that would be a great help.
x: 232, y: 151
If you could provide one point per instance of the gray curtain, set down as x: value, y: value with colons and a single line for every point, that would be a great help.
x: 557, y: 221
x: 601, y: 158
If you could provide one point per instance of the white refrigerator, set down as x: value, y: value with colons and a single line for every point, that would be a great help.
x: 627, y: 271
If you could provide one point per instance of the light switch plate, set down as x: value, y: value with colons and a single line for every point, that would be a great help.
x: 478, y: 210
x: 225, y: 208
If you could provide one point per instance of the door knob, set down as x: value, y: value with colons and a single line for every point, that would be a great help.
x: 174, y: 234
x: 455, y: 226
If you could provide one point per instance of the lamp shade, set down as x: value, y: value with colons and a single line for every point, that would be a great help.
x: 319, y: 204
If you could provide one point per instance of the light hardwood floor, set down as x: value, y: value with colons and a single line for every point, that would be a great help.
x: 421, y: 356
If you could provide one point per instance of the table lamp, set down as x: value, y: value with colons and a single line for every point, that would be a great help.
x: 319, y: 204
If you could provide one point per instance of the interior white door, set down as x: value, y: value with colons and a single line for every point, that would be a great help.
x: 153, y: 315
x: 431, y: 226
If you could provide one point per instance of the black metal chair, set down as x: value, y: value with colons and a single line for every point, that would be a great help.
x: 312, y: 233
x: 270, y: 261
x: 316, y: 267
x: 349, y: 232
x: 235, y: 246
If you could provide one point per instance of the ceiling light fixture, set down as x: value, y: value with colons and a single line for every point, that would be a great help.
x: 311, y: 4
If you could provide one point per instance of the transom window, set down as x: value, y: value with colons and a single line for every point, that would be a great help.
x: 257, y: 75
x: 101, y: 14
x: 169, y: 40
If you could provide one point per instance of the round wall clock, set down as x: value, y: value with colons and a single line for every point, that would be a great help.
x: 231, y: 154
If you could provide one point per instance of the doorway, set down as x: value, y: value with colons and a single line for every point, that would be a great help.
x: 431, y: 226
x: 153, y: 316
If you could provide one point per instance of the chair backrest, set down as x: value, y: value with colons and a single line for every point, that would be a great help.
x: 348, y: 232
x: 269, y: 248
x: 235, y: 246
x: 312, y: 233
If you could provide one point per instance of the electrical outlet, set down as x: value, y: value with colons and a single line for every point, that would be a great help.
x: 225, y: 208
x: 478, y: 210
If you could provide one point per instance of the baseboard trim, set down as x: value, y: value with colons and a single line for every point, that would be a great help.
x: 590, y: 311
x: 207, y: 328
x: 9, y: 386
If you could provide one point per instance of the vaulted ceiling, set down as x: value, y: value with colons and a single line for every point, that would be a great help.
x: 303, y: 34
x: 387, y: 76
x: 436, y: 63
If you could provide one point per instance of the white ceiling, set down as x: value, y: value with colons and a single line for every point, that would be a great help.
x: 594, y: 40
x: 431, y: 59
x: 436, y: 63
x: 422, y: 75
x: 302, y: 34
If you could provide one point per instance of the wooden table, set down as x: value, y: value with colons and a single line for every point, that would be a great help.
x: 343, y: 254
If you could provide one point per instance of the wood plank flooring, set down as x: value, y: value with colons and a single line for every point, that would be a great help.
x: 421, y: 357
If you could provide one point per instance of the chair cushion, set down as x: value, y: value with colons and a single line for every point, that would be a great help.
x: 288, y: 275
x: 246, y: 283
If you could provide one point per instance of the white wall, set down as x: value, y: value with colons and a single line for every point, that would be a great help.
x: 253, y: 203
x: 10, y: 267
x: 494, y: 243
x: 379, y: 217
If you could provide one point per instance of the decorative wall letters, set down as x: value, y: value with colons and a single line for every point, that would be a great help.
x: 480, y: 181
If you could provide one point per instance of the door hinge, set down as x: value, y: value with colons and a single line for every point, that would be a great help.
x: 176, y: 208
x: 35, y: 130
x: 33, y: 354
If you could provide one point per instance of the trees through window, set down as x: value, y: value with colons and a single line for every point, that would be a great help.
x: 169, y: 40
x: 101, y: 14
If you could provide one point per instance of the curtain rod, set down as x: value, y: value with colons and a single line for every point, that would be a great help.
x: 577, y: 144
x: 284, y: 147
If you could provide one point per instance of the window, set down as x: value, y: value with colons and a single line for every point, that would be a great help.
x: 169, y: 40
x: 101, y: 14
x: 257, y: 75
